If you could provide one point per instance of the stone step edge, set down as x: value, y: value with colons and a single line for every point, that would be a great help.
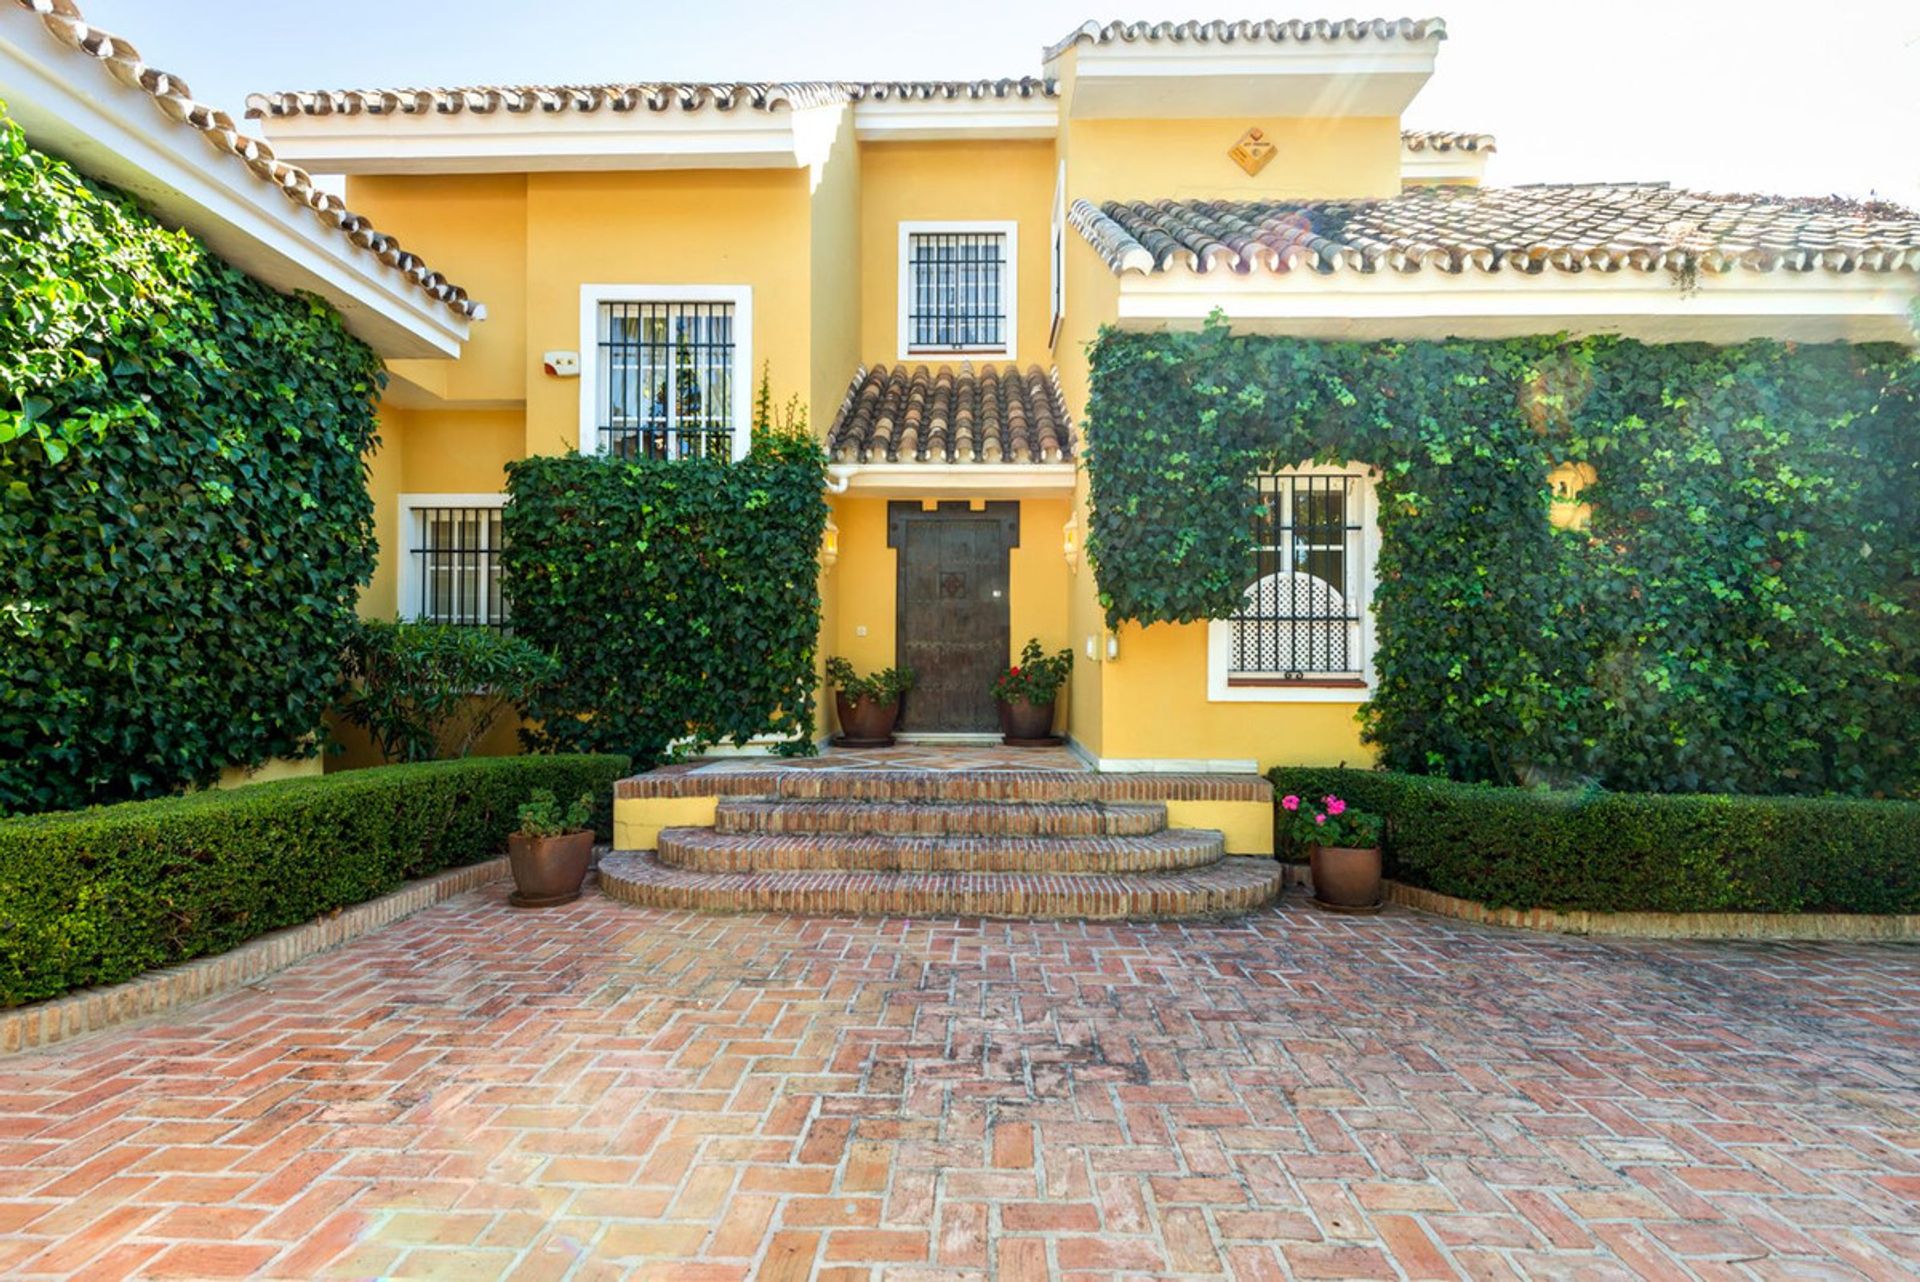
x: 710, y: 850
x: 1234, y: 885
x: 814, y: 815
x: 792, y: 783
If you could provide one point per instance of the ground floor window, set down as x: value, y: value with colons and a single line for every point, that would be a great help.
x: 1304, y: 628
x: 452, y: 572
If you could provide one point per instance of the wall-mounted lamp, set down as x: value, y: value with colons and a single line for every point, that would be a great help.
x: 1093, y: 649
x: 830, y: 545
x: 1113, y: 646
x: 1070, y: 542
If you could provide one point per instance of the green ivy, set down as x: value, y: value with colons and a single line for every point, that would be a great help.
x: 681, y: 597
x: 1740, y: 617
x: 184, y: 519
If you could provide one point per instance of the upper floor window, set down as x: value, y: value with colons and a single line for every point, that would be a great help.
x: 957, y: 288
x: 665, y: 371
x: 1304, y: 628
x: 453, y: 569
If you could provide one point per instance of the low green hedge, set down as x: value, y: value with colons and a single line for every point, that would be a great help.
x: 1635, y: 852
x: 96, y: 896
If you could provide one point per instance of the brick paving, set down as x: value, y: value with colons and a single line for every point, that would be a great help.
x: 601, y: 1091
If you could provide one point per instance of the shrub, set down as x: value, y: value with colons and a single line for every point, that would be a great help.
x: 423, y: 691
x: 542, y: 815
x: 1037, y: 678
x: 1636, y: 852
x: 681, y: 596
x: 96, y: 896
x: 882, y: 687
x: 184, y: 520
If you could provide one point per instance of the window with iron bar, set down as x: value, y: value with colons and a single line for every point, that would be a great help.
x: 665, y: 379
x: 457, y: 566
x: 957, y: 293
x: 1301, y: 618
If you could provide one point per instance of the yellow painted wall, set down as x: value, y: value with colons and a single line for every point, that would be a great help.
x: 963, y: 181
x: 865, y: 581
x: 696, y: 227
x: 834, y: 317
x: 385, y: 467
x: 461, y: 451
x: 1322, y: 158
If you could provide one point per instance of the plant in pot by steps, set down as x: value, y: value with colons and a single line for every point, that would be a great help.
x: 1343, y: 850
x: 550, y: 850
x: 868, y: 706
x: 1027, y: 692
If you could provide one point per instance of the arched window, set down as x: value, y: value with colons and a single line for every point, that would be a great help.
x: 1304, y: 629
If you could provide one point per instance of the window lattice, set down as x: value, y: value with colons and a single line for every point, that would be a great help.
x: 666, y: 379
x: 1301, y: 616
x: 957, y: 291
x: 457, y: 556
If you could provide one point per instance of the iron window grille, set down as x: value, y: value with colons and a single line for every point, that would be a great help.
x: 957, y: 291
x: 666, y: 374
x: 457, y: 558
x: 1300, y: 619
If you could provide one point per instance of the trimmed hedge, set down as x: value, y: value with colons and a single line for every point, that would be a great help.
x: 1635, y: 852
x: 97, y: 896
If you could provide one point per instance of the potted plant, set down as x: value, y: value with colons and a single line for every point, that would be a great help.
x: 1027, y: 692
x: 1343, y: 850
x: 550, y: 849
x: 868, y: 706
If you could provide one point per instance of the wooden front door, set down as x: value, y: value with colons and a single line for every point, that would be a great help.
x: 952, y: 620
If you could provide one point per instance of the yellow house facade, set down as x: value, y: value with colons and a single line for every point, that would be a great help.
x: 923, y: 265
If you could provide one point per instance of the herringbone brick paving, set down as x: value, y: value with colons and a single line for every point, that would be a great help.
x: 601, y: 1091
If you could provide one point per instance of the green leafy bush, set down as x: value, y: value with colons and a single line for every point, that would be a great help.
x: 1742, y: 616
x: 542, y: 815
x: 184, y: 520
x: 1037, y: 678
x: 97, y: 896
x: 883, y: 686
x: 423, y: 691
x: 1636, y: 852
x: 681, y: 597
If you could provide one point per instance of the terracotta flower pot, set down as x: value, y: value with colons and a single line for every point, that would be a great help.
x: 864, y: 723
x: 548, y: 870
x: 1346, y: 876
x: 1023, y: 722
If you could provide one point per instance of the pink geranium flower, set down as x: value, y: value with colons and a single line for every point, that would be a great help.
x: 1335, y: 806
x: 1290, y: 803
x: 1319, y: 819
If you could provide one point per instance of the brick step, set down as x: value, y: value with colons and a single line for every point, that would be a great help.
x: 795, y: 783
x: 952, y: 818
x: 707, y: 850
x: 1233, y: 885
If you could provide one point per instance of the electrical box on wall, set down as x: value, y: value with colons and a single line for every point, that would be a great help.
x: 562, y: 364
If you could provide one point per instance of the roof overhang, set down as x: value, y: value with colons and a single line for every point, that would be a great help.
x: 1855, y: 307
x: 922, y: 120
x: 1456, y: 165
x: 1260, y: 80
x: 114, y: 133
x: 503, y: 142
x: 953, y: 480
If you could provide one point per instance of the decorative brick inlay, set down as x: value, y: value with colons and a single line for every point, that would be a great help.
x: 93, y: 1009
x: 1008, y: 818
x: 1232, y: 885
x: 707, y: 850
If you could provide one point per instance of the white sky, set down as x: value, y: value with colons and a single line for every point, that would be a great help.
x: 1723, y: 95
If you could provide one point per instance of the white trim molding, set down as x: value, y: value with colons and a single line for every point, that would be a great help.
x: 1009, y: 287
x: 1221, y: 688
x: 740, y: 297
x: 955, y: 480
x: 407, y: 589
x: 915, y: 120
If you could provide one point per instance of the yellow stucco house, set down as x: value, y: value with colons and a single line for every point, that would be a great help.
x: 923, y: 265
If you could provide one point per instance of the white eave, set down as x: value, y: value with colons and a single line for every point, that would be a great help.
x: 1457, y: 165
x: 506, y: 142
x: 1724, y: 307
x: 115, y: 134
x: 920, y: 120
x: 1262, y: 81
x: 953, y: 480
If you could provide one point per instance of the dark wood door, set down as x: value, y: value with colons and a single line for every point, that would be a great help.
x: 953, y: 620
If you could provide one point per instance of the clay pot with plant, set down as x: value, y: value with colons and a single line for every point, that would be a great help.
x: 1027, y: 692
x: 1343, y: 850
x: 868, y: 706
x: 550, y: 850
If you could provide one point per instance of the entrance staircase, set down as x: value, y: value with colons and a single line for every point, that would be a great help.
x: 971, y: 842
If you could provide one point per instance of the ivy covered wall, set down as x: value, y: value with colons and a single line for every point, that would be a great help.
x: 1742, y: 614
x: 184, y: 525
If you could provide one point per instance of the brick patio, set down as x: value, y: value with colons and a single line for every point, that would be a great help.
x: 602, y: 1090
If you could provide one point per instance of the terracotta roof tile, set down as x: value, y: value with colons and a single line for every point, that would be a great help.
x: 1598, y: 227
x: 969, y: 414
x: 170, y: 95
x: 1444, y: 140
x: 650, y: 95
x: 1288, y: 31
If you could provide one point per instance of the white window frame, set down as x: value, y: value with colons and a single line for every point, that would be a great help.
x: 1221, y: 689
x: 741, y: 298
x: 407, y: 576
x: 1057, y: 259
x: 1009, y: 288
